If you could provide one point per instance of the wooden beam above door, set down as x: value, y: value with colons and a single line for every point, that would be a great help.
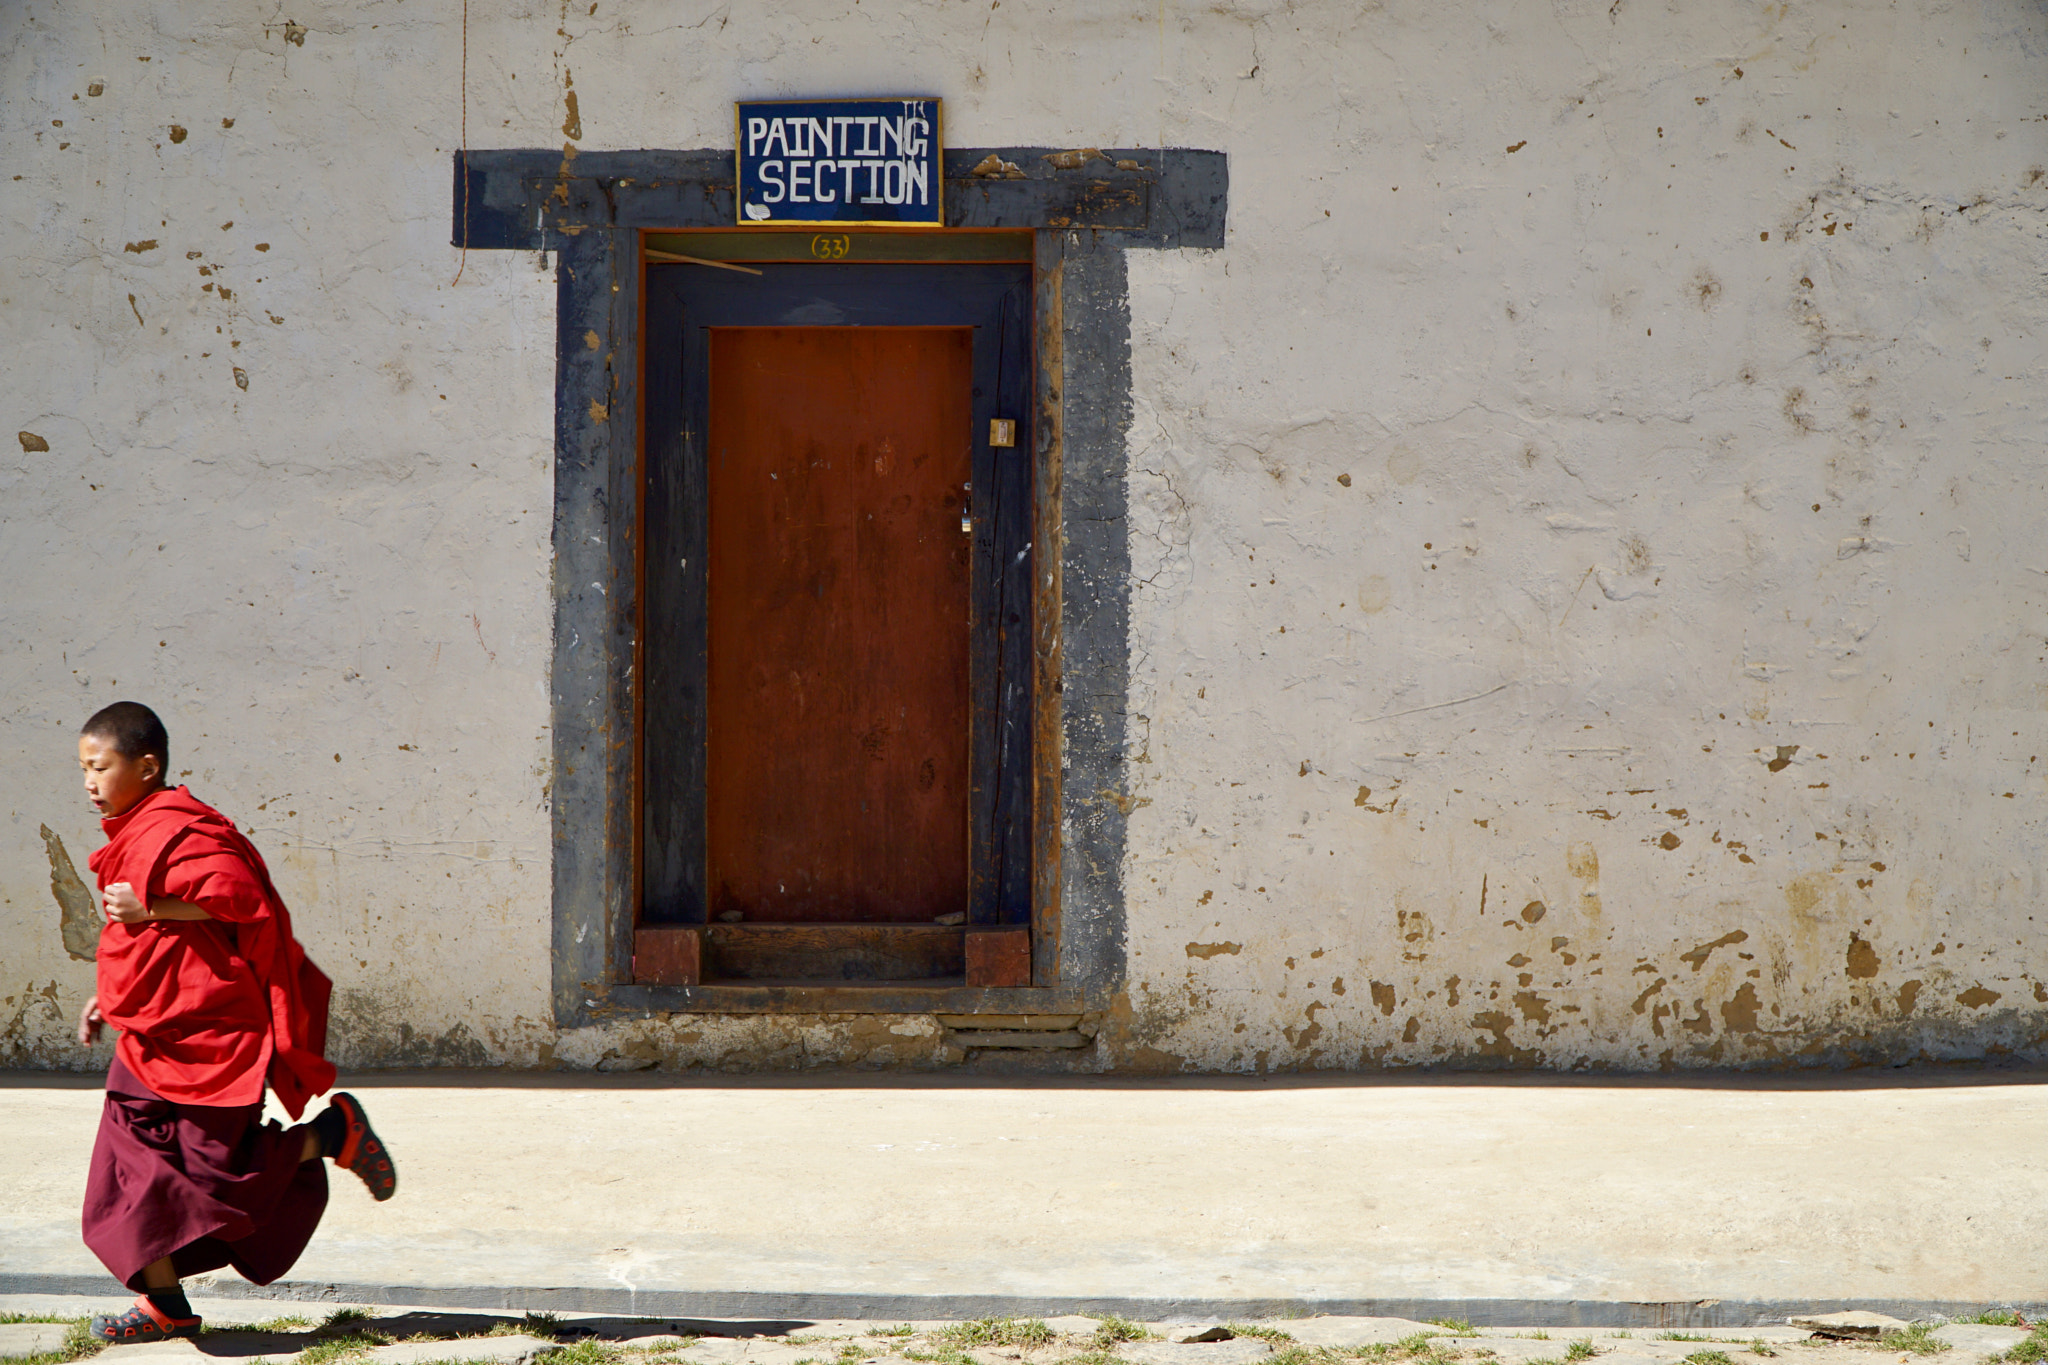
x: 533, y: 198
x: 893, y: 245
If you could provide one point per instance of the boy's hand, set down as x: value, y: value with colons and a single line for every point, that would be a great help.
x: 89, y: 1022
x: 122, y: 906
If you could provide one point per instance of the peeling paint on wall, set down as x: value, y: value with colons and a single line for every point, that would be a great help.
x: 78, y: 915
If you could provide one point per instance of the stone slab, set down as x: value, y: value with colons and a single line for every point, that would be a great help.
x: 1073, y: 1324
x: 425, y: 1321
x: 233, y: 1344
x: 216, y: 1312
x: 1239, y: 1351
x: 749, y: 1351
x: 839, y: 1329
x: 510, y: 1350
x: 179, y: 1352
x: 1857, y: 1324
x: 1649, y: 1348
x: 1515, y: 1350
x: 1338, y: 1332
x: 1975, y: 1340
x: 19, y: 1339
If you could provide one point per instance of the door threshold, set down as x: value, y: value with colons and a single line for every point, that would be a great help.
x: 938, y: 956
x: 840, y: 997
x: 837, y: 954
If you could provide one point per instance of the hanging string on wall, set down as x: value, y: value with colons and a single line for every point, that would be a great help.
x: 462, y: 151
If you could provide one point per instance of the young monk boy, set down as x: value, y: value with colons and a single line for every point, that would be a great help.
x: 213, y: 997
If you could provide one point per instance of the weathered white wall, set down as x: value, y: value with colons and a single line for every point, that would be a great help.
x: 1594, y: 405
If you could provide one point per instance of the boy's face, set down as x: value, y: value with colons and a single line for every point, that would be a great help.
x: 113, y: 781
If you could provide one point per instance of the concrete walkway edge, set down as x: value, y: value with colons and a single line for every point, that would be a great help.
x: 1701, y: 1313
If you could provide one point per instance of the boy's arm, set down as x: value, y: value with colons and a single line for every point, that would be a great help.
x: 90, y: 1021
x: 173, y: 909
x: 125, y: 907
x: 211, y: 882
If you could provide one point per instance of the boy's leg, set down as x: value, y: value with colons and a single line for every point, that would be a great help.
x: 161, y: 1312
x: 346, y: 1136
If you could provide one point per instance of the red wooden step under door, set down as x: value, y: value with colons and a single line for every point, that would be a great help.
x: 836, y: 773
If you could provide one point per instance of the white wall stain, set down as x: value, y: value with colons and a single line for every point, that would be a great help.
x: 1609, y: 439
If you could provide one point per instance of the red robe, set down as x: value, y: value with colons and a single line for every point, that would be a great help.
x: 208, y: 1008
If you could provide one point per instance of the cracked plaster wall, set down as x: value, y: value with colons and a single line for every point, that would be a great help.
x: 1584, y: 608
x: 1589, y: 604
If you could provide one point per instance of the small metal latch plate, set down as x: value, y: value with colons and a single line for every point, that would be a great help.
x: 1002, y: 432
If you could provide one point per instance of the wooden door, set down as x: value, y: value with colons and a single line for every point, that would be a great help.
x: 838, y: 470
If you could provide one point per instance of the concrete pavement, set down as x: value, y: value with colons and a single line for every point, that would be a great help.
x: 1541, y: 1200
x: 374, y: 1336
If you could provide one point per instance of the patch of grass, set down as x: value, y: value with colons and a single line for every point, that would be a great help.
x: 1582, y: 1349
x: 1260, y: 1330
x: 1994, y: 1317
x: 901, y: 1329
x: 1708, y: 1357
x: 1760, y: 1347
x: 588, y: 1351
x: 340, y: 1346
x: 1680, y: 1336
x: 1538, y: 1335
x: 544, y: 1325
x: 1455, y: 1326
x: 11, y: 1318
x: 290, y: 1322
x: 1028, y: 1333
x: 1419, y: 1347
x: 1094, y: 1357
x: 1624, y: 1333
x: 2029, y: 1352
x: 1917, y: 1339
x: 1415, y: 1343
x: 341, y: 1319
x: 1111, y: 1329
x: 1292, y: 1352
x: 77, y: 1344
x: 944, y: 1355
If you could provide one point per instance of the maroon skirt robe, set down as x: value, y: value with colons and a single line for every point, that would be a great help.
x: 207, y: 1185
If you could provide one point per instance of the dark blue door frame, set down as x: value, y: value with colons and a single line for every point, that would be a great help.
x: 591, y: 210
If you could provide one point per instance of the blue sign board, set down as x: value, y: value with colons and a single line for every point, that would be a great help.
x: 849, y: 162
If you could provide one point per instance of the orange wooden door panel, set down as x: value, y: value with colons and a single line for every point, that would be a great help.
x: 836, y: 753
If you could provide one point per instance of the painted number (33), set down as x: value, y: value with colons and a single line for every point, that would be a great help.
x: 827, y: 246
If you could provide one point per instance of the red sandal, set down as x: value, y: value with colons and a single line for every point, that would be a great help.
x: 143, y: 1321
x: 362, y: 1151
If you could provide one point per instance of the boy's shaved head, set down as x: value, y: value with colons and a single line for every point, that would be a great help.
x: 133, y: 729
